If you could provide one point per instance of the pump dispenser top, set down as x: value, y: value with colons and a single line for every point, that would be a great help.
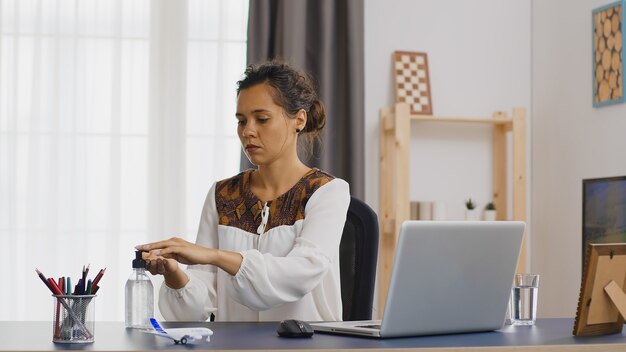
x: 139, y: 262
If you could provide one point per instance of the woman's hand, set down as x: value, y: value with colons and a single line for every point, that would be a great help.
x: 162, y: 258
x: 157, y: 265
x: 177, y: 250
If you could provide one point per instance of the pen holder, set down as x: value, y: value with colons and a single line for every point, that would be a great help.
x: 73, y: 318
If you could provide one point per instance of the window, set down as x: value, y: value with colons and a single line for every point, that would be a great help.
x: 108, y: 137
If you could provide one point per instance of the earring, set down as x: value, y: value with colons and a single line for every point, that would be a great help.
x: 298, y: 130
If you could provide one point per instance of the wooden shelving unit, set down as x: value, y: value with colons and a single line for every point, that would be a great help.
x: 395, y: 132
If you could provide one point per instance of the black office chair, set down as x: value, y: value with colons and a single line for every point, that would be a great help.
x: 358, y: 254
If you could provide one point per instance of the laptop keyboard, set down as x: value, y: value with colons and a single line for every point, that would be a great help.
x: 369, y: 326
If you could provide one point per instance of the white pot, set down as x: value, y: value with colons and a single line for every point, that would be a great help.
x: 471, y: 214
x: 489, y: 215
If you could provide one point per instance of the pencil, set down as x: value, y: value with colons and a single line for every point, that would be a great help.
x: 98, y: 277
x: 43, y: 278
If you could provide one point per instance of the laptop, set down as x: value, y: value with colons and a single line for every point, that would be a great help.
x: 447, y: 277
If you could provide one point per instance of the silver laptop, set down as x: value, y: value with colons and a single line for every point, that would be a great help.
x: 447, y: 277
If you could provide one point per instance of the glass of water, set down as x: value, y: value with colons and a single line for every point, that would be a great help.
x: 523, y: 304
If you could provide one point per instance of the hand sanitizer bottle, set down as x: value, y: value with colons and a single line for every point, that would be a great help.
x: 139, y: 296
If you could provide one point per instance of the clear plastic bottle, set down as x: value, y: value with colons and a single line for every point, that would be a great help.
x: 139, y: 296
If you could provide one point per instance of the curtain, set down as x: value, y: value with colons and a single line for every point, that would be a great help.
x: 115, y: 118
x: 324, y: 38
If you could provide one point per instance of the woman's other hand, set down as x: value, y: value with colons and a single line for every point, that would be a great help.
x: 179, y: 250
x: 158, y: 264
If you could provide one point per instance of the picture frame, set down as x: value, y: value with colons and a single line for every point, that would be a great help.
x: 410, y: 70
x: 602, y: 301
x: 608, y: 54
x: 604, y: 210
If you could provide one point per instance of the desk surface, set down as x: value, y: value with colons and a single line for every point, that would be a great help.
x: 547, y: 335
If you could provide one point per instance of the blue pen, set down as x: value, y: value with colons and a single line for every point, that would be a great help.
x: 68, y: 287
x: 88, y: 291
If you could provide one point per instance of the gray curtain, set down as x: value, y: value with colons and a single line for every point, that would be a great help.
x: 324, y: 38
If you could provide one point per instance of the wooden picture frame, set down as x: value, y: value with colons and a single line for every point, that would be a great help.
x: 602, y: 301
x: 410, y: 70
x: 608, y: 54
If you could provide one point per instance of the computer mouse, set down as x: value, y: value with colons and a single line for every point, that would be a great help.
x: 294, y: 328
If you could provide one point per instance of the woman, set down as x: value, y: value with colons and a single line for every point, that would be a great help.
x: 268, y: 243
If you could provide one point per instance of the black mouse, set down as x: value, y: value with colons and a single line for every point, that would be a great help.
x: 294, y: 328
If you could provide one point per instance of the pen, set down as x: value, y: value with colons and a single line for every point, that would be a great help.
x: 88, y: 291
x: 57, y: 323
x: 85, y: 274
x: 83, y: 283
x: 77, y: 287
x: 55, y: 288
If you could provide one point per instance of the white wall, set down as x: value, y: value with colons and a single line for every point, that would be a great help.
x: 571, y: 141
x: 479, y: 63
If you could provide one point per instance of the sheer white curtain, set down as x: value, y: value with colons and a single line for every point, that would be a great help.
x: 115, y: 118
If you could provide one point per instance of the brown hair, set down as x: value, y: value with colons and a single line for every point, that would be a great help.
x: 292, y: 90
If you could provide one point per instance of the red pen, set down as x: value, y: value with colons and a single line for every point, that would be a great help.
x: 57, y: 325
x: 98, y: 277
x: 55, y: 289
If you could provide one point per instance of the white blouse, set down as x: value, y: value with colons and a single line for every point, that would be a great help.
x: 291, y: 271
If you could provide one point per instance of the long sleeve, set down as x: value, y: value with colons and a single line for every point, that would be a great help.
x: 197, y: 300
x: 265, y: 280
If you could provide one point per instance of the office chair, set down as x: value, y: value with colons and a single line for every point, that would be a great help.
x: 358, y: 254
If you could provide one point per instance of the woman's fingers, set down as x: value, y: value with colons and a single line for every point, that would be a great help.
x: 151, y: 266
x: 160, y: 244
x: 164, y: 248
x: 160, y: 266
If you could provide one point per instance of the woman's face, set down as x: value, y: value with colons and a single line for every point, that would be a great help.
x: 263, y: 126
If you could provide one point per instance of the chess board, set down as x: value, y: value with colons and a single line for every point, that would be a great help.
x: 412, y: 82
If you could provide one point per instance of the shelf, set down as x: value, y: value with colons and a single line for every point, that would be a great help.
x: 394, y: 174
x: 499, y: 118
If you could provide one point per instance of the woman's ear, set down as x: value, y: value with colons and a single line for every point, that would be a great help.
x: 300, y: 119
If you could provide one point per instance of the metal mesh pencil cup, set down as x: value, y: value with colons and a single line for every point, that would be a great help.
x: 73, y: 318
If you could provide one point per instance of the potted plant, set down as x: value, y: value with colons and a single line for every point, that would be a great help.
x: 490, y: 212
x: 470, y: 210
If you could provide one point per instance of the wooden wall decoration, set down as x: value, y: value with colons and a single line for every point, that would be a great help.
x: 608, y: 49
x: 412, y: 82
